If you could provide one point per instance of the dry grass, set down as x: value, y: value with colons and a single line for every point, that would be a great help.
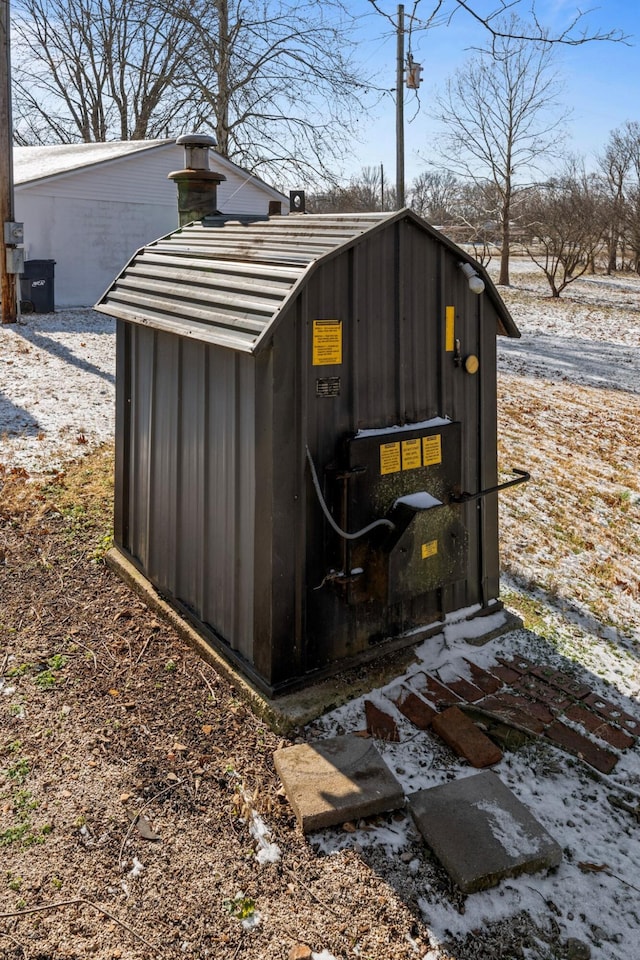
x: 575, y: 529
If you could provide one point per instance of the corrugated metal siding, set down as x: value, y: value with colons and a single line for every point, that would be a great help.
x: 390, y: 290
x: 191, y: 478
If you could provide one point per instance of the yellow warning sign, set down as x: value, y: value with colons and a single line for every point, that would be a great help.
x: 411, y: 454
x: 450, y: 329
x: 429, y: 549
x: 389, y: 458
x: 432, y: 450
x: 327, y: 343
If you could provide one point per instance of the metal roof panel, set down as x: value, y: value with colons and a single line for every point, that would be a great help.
x: 226, y: 281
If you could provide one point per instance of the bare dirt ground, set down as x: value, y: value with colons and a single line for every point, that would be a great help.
x: 113, y: 716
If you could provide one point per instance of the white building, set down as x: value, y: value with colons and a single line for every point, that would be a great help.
x: 90, y: 206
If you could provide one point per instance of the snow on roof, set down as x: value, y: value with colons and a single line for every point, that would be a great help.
x: 37, y: 163
x: 57, y: 159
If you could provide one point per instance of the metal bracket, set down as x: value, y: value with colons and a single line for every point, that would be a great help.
x: 521, y: 477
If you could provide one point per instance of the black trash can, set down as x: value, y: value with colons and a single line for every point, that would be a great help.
x: 36, y: 286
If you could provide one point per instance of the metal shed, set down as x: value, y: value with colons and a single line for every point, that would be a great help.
x: 283, y: 385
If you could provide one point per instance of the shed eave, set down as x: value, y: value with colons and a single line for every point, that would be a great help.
x: 192, y: 331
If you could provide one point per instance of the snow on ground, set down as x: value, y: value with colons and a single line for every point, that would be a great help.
x: 57, y: 380
x: 569, y: 409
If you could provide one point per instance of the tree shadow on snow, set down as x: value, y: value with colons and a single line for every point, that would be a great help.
x: 16, y: 421
x: 591, y: 363
x: 47, y: 343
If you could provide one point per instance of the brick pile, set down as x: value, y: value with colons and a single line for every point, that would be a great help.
x: 518, y: 694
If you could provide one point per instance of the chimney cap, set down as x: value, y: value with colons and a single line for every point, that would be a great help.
x: 196, y: 140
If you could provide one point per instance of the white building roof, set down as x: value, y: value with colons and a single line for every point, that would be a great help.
x: 39, y: 163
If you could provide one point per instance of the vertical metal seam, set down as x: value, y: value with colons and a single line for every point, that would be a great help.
x: 206, y: 479
x: 482, y: 465
x: 179, y: 464
x: 399, y: 318
x: 354, y: 357
x: 301, y: 544
x: 300, y: 427
x: 151, y: 445
x: 237, y: 506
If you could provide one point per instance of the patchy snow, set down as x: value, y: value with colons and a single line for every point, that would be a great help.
x: 266, y: 850
x: 57, y: 388
x: 569, y: 408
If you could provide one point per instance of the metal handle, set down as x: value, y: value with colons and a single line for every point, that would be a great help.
x: 521, y: 477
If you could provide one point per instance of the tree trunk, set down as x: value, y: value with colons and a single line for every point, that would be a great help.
x: 503, y: 279
x: 222, y: 106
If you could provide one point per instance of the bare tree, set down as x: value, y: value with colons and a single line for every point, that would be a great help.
x: 620, y: 168
x: 565, y: 224
x: 426, y: 14
x: 500, y: 118
x: 435, y: 195
x: 273, y: 79
x: 95, y: 70
x: 363, y: 194
x: 277, y: 80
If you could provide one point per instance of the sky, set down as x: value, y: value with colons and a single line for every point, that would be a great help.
x: 600, y: 81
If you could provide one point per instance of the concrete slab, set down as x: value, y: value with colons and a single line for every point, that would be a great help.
x: 481, y: 833
x: 328, y: 782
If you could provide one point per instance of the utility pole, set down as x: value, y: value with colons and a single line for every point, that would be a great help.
x: 10, y: 261
x: 400, y: 111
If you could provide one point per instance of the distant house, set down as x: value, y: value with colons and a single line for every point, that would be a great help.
x: 90, y: 206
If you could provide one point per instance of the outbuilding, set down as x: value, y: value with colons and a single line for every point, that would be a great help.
x: 306, y: 450
x: 87, y: 207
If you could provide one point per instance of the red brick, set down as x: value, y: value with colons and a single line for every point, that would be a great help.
x: 598, y: 727
x: 580, y: 746
x: 434, y: 691
x: 518, y: 711
x: 462, y: 735
x: 531, y: 686
x: 506, y: 674
x: 415, y: 709
x: 562, y: 681
x: 612, y: 712
x: 466, y: 690
x: 483, y: 679
x: 380, y: 724
x: 520, y: 664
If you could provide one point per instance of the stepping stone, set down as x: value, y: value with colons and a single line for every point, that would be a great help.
x: 328, y: 782
x: 481, y: 833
